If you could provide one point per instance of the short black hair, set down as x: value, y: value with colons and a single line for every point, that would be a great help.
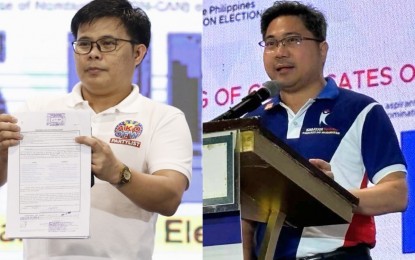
x: 313, y: 19
x: 135, y: 20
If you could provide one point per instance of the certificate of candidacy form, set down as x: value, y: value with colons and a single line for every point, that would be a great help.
x: 49, y: 177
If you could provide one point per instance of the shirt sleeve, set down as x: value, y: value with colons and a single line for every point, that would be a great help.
x: 171, y: 145
x: 381, y: 151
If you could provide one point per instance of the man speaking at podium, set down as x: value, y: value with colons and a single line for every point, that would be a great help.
x: 345, y: 134
x: 133, y: 183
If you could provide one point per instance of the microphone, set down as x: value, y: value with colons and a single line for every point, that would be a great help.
x: 251, y: 102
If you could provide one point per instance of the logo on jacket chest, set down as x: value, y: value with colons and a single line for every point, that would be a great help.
x: 126, y: 132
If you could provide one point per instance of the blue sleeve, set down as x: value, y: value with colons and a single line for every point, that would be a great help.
x: 380, y: 145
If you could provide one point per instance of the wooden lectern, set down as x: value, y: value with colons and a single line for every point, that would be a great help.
x: 275, y: 185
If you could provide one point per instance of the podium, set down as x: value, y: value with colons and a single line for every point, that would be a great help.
x: 266, y: 181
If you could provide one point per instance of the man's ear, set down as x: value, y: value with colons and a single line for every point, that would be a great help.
x: 324, y: 48
x: 140, y: 51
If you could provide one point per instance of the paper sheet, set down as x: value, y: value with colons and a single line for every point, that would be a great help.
x: 49, y: 177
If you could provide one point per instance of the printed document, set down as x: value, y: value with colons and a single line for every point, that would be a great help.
x: 49, y: 177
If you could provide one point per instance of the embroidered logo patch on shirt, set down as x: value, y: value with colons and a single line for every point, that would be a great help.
x: 324, y: 128
x: 127, y: 130
x: 323, y: 116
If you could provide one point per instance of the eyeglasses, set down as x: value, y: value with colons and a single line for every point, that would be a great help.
x: 107, y: 44
x: 272, y: 44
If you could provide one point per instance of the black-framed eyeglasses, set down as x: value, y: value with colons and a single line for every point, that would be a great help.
x: 106, y: 44
x: 272, y: 44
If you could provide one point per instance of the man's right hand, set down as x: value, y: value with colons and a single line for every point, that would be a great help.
x: 9, y: 134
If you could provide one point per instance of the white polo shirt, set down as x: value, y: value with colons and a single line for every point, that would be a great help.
x: 145, y: 135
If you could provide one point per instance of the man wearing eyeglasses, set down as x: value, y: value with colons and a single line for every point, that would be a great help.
x: 345, y: 134
x: 137, y: 179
